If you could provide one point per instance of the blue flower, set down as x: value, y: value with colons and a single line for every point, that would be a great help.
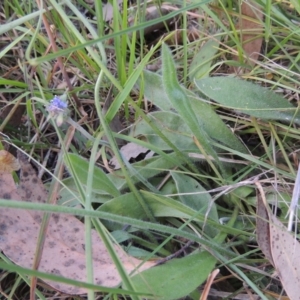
x: 57, y: 106
x: 58, y: 109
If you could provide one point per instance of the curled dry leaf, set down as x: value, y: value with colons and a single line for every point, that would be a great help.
x: 262, y: 229
x: 8, y: 162
x: 63, y: 253
x: 281, y: 247
x: 286, y: 256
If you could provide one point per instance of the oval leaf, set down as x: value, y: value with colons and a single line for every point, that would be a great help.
x: 213, y: 124
x: 201, y: 63
x: 248, y: 98
x: 80, y: 168
x: 192, y: 194
x: 181, y: 103
x: 171, y: 125
x: 176, y: 278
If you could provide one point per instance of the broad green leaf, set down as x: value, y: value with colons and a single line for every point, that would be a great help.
x: 101, y: 182
x: 69, y: 195
x: 192, y: 194
x: 201, y: 63
x: 172, y: 126
x: 176, y: 278
x: 147, y: 168
x: 138, y: 252
x: 205, y: 114
x: 248, y: 98
x: 121, y: 236
x: 169, y: 188
x: 180, y: 102
x: 161, y: 206
x: 127, y: 205
x: 154, y: 91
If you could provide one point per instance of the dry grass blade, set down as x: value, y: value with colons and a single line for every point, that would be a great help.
x: 208, y: 284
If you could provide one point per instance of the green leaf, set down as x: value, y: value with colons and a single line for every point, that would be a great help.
x: 127, y: 205
x: 248, y: 98
x: 201, y: 63
x: 70, y: 196
x: 171, y: 125
x: 180, y: 102
x: 101, y: 182
x: 214, y: 126
x: 192, y: 194
x: 162, y: 206
x: 148, y: 168
x: 176, y: 278
x: 4, y: 81
x: 154, y: 91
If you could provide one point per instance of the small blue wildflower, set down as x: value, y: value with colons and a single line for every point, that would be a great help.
x: 58, y: 108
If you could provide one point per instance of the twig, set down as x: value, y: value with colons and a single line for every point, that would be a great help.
x: 177, y: 253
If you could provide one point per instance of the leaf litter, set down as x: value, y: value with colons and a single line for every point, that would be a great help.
x: 64, y: 250
x: 280, y: 247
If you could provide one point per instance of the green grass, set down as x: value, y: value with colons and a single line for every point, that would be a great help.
x: 210, y: 147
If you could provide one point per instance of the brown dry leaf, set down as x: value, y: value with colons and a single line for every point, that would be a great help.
x: 262, y: 229
x: 281, y: 248
x: 152, y: 13
x: 249, y: 29
x: 8, y: 163
x: 64, y: 253
x: 286, y: 256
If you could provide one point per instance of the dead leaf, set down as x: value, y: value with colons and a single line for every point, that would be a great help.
x: 108, y: 10
x: 262, y: 229
x: 280, y: 247
x: 8, y: 163
x: 64, y: 252
x: 251, y: 31
x: 286, y: 256
x: 131, y: 150
x: 153, y: 12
